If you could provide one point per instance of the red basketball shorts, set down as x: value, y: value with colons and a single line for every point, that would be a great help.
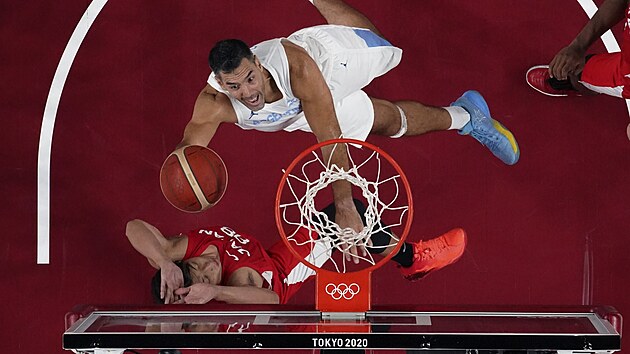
x: 608, y: 73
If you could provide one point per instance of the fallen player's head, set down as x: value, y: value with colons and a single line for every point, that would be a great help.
x: 156, y: 281
x: 206, y: 268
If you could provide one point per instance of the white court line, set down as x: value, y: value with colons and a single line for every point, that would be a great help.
x: 48, y: 125
x: 608, y: 38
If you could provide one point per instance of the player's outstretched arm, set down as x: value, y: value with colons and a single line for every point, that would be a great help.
x: 570, y: 59
x: 211, y: 109
x: 202, y: 293
x: 160, y: 252
x: 308, y: 84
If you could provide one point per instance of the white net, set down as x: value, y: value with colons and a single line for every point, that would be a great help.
x: 380, y: 187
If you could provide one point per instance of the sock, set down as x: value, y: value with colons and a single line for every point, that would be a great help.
x: 459, y: 117
x: 404, y: 257
x: 560, y: 84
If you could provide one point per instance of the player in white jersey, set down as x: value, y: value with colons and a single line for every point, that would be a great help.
x: 312, y: 81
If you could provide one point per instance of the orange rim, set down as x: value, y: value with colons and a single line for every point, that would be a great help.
x: 389, y: 159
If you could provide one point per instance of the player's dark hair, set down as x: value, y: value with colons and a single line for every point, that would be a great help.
x: 227, y: 55
x: 156, y: 281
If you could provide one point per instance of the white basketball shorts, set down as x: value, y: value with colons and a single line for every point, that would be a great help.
x: 349, y: 58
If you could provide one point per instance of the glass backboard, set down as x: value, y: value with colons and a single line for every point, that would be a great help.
x: 581, y: 330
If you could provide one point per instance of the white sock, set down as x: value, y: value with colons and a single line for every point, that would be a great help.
x: 459, y: 117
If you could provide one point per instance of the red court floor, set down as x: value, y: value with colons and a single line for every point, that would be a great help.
x: 552, y: 230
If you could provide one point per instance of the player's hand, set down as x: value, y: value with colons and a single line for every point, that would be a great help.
x: 349, y: 220
x: 569, y: 61
x: 172, y: 279
x: 199, y: 293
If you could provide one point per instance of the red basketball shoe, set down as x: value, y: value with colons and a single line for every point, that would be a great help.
x: 539, y: 79
x: 435, y: 254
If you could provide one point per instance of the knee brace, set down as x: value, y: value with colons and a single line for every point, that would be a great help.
x: 403, y: 124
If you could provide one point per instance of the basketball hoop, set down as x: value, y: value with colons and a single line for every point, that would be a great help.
x: 305, y: 189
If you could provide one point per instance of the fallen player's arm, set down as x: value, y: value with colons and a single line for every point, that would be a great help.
x: 202, y: 293
x: 160, y: 252
x: 246, y: 295
x: 150, y: 242
x: 211, y: 109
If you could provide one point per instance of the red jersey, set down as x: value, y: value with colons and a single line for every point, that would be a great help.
x: 235, y: 251
x: 625, y: 54
x: 282, y: 272
x: 609, y: 73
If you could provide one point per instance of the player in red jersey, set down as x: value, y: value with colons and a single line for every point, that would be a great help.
x: 219, y: 263
x: 572, y: 68
x: 573, y: 73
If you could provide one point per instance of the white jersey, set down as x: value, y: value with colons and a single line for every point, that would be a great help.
x: 349, y: 58
x: 278, y: 115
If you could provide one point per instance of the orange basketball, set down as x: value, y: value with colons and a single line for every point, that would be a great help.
x: 193, y: 178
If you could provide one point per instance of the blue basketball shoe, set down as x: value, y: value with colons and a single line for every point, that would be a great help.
x: 486, y: 130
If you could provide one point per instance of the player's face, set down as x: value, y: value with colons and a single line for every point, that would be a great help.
x: 246, y: 83
x: 205, y: 269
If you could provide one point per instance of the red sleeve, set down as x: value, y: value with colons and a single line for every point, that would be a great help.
x: 199, y: 240
x: 625, y: 57
x: 235, y: 250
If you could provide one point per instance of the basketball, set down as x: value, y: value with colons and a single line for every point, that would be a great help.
x: 193, y: 178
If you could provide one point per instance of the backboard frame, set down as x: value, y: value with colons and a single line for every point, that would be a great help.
x: 602, y: 337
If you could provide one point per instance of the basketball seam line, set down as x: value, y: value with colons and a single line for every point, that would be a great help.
x: 192, y: 180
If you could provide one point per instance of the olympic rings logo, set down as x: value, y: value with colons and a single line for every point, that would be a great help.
x: 342, y: 290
